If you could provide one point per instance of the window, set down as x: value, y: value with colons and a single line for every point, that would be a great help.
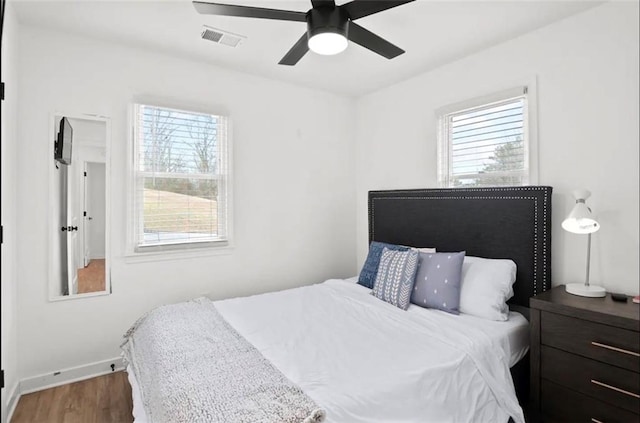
x: 486, y: 142
x: 180, y: 171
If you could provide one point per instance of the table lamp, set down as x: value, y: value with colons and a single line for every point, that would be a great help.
x: 580, y: 221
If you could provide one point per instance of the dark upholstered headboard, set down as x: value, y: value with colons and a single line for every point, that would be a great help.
x: 509, y: 222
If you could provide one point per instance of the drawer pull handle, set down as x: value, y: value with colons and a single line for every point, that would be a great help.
x: 620, y: 350
x: 631, y: 394
x: 595, y: 420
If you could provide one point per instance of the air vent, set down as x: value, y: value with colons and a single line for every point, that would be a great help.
x: 222, y: 37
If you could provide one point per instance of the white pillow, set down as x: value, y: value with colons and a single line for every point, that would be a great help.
x: 486, y: 286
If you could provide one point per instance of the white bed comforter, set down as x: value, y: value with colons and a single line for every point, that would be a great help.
x: 364, y: 360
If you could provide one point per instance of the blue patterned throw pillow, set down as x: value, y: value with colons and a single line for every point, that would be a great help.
x: 395, y: 277
x: 438, y: 281
x: 370, y: 269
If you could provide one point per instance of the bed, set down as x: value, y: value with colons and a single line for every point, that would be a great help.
x: 362, y: 360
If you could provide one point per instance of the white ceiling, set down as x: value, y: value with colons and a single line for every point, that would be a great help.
x: 432, y: 33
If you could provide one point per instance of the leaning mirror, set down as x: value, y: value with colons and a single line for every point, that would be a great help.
x: 79, y: 175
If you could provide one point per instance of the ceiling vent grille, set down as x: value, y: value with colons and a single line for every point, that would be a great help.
x: 222, y: 37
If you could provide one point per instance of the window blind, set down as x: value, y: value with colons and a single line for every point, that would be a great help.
x: 180, y: 167
x: 485, y: 145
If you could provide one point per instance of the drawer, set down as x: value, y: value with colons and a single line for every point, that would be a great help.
x: 559, y: 404
x: 620, y: 347
x: 608, y: 383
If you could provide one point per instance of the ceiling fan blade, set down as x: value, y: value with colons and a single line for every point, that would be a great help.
x: 360, y: 8
x: 323, y: 3
x: 299, y: 49
x: 248, y: 11
x: 368, y: 39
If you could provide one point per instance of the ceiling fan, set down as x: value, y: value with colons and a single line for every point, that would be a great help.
x: 329, y: 26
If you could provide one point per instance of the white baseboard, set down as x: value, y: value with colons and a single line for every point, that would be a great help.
x: 70, y: 375
x: 13, y: 400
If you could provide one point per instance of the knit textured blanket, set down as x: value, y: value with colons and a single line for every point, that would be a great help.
x: 192, y: 366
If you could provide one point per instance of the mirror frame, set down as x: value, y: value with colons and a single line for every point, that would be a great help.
x: 53, y: 226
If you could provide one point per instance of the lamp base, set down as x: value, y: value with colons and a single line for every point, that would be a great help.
x: 583, y: 290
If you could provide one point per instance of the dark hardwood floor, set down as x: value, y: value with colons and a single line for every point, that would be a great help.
x: 103, y: 399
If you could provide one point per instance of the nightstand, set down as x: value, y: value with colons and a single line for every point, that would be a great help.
x: 585, y: 358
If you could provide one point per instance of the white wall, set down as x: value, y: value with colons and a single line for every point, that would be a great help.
x: 293, y: 184
x: 587, y: 77
x: 9, y: 210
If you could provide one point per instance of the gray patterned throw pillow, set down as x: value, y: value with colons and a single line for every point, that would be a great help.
x: 395, y: 277
x: 438, y: 281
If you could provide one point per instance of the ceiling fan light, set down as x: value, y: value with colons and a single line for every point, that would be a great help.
x: 328, y: 43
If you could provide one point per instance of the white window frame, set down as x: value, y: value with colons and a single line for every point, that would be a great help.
x: 136, y: 252
x: 444, y: 148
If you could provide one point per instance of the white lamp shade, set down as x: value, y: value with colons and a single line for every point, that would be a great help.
x: 328, y: 43
x: 580, y: 220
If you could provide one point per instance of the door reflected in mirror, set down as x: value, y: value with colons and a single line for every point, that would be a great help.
x: 91, y: 275
x: 79, y: 193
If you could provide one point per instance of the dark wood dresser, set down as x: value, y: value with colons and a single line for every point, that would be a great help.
x: 585, y: 359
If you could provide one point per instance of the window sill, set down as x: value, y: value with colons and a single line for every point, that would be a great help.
x: 178, y: 253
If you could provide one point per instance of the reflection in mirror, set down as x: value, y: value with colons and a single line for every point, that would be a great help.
x: 79, y: 207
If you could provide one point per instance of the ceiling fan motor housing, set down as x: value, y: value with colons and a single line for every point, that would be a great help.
x: 327, y: 19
